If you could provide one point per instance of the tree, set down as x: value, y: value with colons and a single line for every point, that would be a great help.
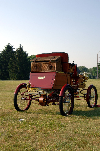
x: 5, y: 57
x: 0, y: 65
x: 20, y: 68
x: 82, y: 69
x: 31, y: 57
x: 13, y: 67
x: 98, y: 70
x: 93, y: 73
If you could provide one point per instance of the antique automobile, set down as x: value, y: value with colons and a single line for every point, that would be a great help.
x: 56, y: 81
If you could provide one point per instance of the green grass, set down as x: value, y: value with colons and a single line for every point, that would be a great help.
x: 43, y: 128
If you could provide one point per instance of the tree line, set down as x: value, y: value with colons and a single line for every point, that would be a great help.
x: 16, y: 65
x: 92, y: 72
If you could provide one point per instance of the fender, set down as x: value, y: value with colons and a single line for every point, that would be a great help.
x: 62, y: 90
x: 22, y: 84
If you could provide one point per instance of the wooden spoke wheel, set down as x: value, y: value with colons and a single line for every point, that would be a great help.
x: 22, y: 99
x: 91, y: 96
x: 66, y: 100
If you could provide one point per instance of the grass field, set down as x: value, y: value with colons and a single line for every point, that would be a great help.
x: 44, y: 129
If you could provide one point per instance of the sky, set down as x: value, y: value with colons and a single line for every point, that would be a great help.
x: 45, y: 26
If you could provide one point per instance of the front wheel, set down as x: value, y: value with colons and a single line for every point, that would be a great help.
x: 22, y: 100
x: 66, y: 100
x: 91, y: 96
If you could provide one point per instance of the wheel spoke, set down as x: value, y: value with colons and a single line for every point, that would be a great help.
x: 22, y: 100
x: 91, y: 96
x: 66, y: 102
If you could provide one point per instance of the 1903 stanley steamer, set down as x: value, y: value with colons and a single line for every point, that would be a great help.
x: 53, y: 79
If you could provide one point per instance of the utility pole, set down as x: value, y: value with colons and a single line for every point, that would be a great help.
x: 97, y: 64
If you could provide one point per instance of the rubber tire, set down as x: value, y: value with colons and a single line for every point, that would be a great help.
x: 88, y: 97
x: 23, y: 85
x: 67, y: 87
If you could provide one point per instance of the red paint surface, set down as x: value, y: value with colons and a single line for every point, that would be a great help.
x: 64, y: 56
x: 45, y: 83
x: 62, y: 90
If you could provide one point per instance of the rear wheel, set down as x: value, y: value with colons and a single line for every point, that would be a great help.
x: 91, y: 96
x: 22, y: 100
x: 66, y: 100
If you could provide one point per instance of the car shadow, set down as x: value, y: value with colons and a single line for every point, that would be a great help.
x: 89, y: 113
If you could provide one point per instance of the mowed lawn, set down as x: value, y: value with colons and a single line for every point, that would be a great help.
x: 43, y: 128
